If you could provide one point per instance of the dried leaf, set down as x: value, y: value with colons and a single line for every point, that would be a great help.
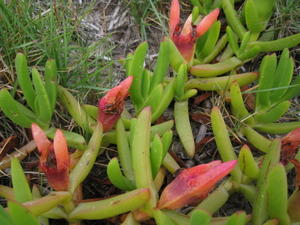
x: 200, y: 117
x: 289, y: 146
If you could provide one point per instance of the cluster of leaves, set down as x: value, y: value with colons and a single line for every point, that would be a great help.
x: 143, y: 147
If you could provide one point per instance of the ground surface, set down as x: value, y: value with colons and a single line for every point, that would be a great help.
x: 118, y: 22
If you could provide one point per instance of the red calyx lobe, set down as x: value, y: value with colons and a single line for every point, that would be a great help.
x: 54, y: 158
x: 193, y: 184
x: 112, y: 104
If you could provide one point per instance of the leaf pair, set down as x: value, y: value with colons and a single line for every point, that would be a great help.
x: 271, y: 199
x: 257, y: 14
x: 274, y: 81
x: 40, y: 95
x: 158, y: 149
x: 149, y: 86
x: 208, y: 46
x: 275, y: 89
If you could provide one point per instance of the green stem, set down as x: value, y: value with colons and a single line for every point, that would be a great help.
x: 279, y: 44
x: 44, y: 204
x: 212, y: 70
x: 110, y: 207
x: 254, y: 48
x: 220, y: 83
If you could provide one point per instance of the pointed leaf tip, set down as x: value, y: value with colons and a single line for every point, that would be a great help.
x: 174, y: 17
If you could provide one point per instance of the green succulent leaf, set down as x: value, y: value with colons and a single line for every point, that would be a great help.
x: 117, y: 178
x: 162, y: 64
x: 50, y: 81
x: 247, y: 163
x: 15, y: 111
x: 21, y: 187
x: 277, y: 194
x: 136, y: 70
x: 233, y: 41
x: 237, y: 219
x: 165, y: 101
x: 254, y: 22
x: 146, y: 82
x: 183, y: 127
x: 24, y: 80
x: 267, y: 70
x: 124, y: 150
x: 181, y: 79
x: 156, y: 154
x: 5, y: 218
x: 200, y: 217
x: 43, y: 107
x: 167, y: 141
x: 162, y: 219
x: 282, y: 76
x: 274, y: 113
x: 21, y: 215
x: 74, y: 140
x: 151, y: 100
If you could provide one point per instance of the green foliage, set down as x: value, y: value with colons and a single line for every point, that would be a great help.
x: 40, y: 96
x: 21, y: 187
x: 44, y: 30
x: 142, y: 149
x: 17, y: 215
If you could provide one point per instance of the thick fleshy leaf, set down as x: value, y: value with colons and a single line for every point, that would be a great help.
x: 21, y: 187
x: 200, y: 217
x: 20, y: 215
x: 112, y: 104
x: 193, y: 184
x: 111, y: 206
